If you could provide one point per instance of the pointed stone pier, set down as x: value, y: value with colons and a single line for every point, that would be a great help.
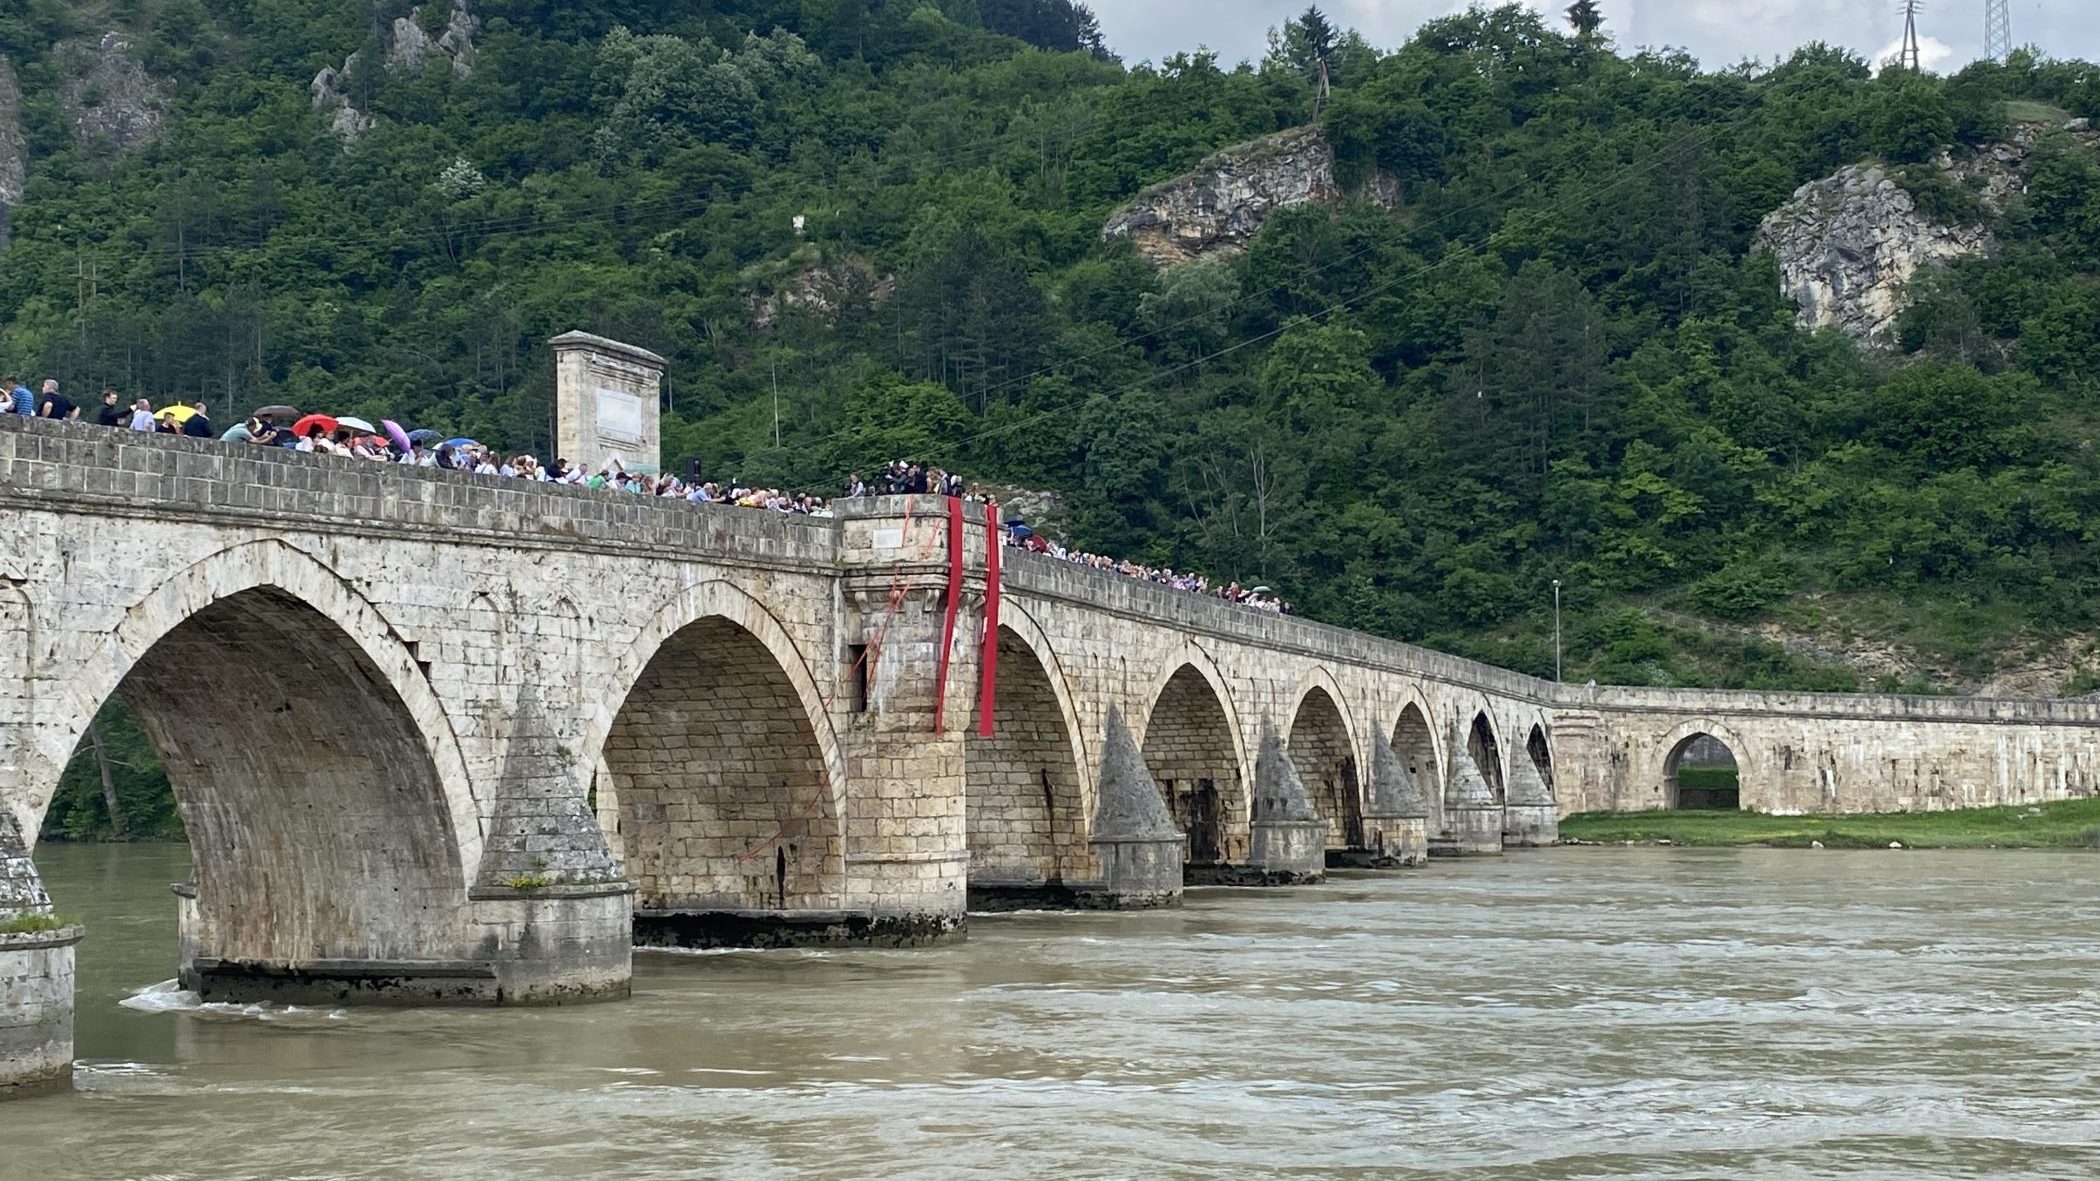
x: 1472, y: 815
x: 1290, y: 836
x: 1530, y: 817
x: 1396, y: 817
x: 1134, y: 837
x: 36, y: 977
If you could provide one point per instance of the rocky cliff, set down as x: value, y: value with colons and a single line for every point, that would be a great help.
x: 1847, y: 245
x: 410, y: 49
x: 14, y: 146
x: 1218, y: 206
x: 109, y: 100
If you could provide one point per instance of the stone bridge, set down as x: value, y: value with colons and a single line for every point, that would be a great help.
x: 436, y: 737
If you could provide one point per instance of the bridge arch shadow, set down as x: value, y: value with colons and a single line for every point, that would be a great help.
x: 1027, y: 790
x: 326, y: 804
x: 1322, y: 747
x: 1486, y: 748
x: 720, y: 771
x: 1539, y: 748
x: 1192, y: 745
x: 1414, y: 741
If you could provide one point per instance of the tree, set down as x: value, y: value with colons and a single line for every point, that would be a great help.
x: 1585, y: 18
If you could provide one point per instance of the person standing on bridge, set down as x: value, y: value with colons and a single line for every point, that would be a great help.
x: 112, y: 413
x: 54, y: 405
x: 18, y: 398
x: 142, y: 416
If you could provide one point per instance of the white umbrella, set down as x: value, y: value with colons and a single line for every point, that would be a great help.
x: 356, y: 424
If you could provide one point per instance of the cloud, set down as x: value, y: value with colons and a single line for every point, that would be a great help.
x: 1934, y: 55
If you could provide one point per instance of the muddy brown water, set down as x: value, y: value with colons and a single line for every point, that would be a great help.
x: 1623, y: 1013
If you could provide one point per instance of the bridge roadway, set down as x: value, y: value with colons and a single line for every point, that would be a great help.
x: 438, y: 738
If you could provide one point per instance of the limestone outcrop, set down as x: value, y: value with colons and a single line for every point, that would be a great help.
x: 109, y: 100
x: 411, y: 48
x: 822, y: 289
x: 14, y: 146
x: 1218, y: 206
x: 1848, y: 245
x: 331, y: 92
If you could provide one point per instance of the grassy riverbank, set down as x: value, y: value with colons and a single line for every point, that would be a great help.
x: 2066, y: 824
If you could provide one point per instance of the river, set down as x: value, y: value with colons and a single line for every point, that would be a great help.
x: 1623, y: 1013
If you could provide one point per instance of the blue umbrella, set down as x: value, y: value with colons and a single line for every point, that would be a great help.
x: 423, y: 436
x: 461, y: 442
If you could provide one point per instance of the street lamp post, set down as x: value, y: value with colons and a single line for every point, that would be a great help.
x: 1556, y: 630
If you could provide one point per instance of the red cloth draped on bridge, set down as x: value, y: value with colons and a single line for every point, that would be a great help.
x: 955, y: 579
x: 988, y: 685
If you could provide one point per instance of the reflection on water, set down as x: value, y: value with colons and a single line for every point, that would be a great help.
x: 1570, y: 1013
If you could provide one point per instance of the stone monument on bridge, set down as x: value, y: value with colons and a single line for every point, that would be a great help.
x: 606, y: 403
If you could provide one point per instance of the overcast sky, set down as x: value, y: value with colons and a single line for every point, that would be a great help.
x: 1718, y: 32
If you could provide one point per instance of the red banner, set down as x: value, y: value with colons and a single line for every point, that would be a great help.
x: 988, y: 687
x: 955, y: 580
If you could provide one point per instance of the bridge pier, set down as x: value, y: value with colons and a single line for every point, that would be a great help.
x: 1473, y: 818
x: 1396, y: 824
x: 36, y: 977
x: 554, y: 945
x: 1289, y: 845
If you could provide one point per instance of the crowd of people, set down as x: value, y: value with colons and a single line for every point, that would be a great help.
x: 353, y: 438
x: 1260, y: 598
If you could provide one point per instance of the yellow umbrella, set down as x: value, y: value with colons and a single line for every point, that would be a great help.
x: 178, y: 413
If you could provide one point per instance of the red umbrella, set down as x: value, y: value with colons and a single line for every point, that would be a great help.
x: 396, y: 435
x: 314, y: 424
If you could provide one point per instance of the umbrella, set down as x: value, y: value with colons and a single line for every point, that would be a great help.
x: 1023, y: 532
x: 177, y: 414
x: 424, y: 436
x: 1261, y: 590
x: 455, y: 444
x: 286, y: 412
x: 395, y: 435
x: 314, y: 424
x: 356, y: 424
x: 236, y: 434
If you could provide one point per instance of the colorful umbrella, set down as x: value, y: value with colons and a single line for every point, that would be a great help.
x: 177, y: 414
x: 395, y: 435
x: 425, y: 435
x: 459, y: 442
x: 356, y: 424
x: 284, y: 412
x: 314, y: 424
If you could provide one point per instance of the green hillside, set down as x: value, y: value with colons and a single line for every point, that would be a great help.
x: 1557, y: 357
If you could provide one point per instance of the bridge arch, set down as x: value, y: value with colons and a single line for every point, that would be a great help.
x: 1485, y: 745
x: 719, y: 762
x: 1415, y: 742
x: 1323, y: 743
x: 1028, y: 787
x: 329, y: 811
x: 1195, y: 747
x: 1682, y: 741
x: 1538, y: 747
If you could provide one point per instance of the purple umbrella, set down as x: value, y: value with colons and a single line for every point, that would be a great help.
x: 398, y: 436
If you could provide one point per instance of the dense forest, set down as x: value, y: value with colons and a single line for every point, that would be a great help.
x: 866, y: 228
